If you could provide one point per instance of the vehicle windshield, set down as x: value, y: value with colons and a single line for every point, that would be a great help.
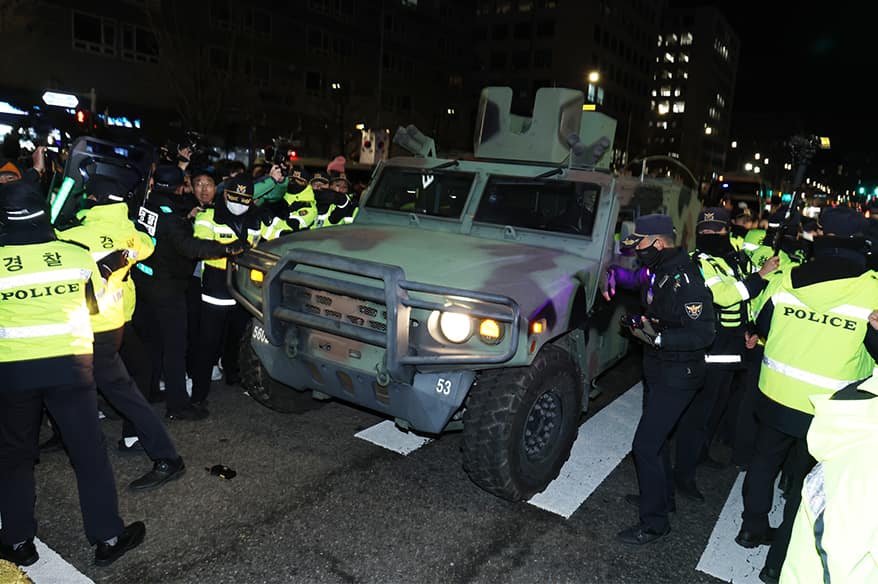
x: 440, y: 193
x: 547, y: 205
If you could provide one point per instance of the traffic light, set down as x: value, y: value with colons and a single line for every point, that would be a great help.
x: 82, y: 117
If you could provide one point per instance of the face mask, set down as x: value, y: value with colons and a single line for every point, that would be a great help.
x: 649, y: 256
x: 713, y: 243
x: 237, y: 208
x: 738, y: 230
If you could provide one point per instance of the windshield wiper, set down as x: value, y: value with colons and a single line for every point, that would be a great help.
x: 448, y: 164
x: 552, y: 172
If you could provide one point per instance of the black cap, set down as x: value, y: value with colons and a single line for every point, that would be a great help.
x: 167, y: 177
x: 776, y: 219
x: 320, y: 177
x: 714, y: 218
x: 20, y: 200
x: 298, y: 179
x: 647, y: 225
x: 106, y: 189
x: 239, y: 189
x: 843, y: 222
x: 742, y: 210
x: 197, y: 172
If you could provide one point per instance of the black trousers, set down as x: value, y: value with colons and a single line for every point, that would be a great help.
x: 699, y: 423
x: 161, y: 323
x: 73, y: 408
x: 773, y: 448
x: 135, y: 356
x: 663, y: 405
x: 122, y: 393
x: 744, y: 443
x: 222, y: 328
x: 193, y: 325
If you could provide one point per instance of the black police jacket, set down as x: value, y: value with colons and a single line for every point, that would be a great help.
x: 681, y: 306
x: 168, y: 270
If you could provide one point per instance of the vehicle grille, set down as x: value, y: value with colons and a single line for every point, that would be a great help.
x: 355, y: 311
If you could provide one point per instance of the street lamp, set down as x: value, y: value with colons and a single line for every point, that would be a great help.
x: 594, y: 76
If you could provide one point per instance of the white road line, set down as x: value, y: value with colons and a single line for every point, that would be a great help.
x: 725, y: 559
x: 388, y: 436
x: 603, y: 441
x: 52, y: 568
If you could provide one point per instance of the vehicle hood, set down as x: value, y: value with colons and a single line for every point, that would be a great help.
x: 528, y: 274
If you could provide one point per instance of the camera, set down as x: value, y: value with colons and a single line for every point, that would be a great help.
x: 200, y: 151
x: 631, y: 321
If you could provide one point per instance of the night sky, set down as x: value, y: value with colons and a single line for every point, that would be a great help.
x: 821, y: 63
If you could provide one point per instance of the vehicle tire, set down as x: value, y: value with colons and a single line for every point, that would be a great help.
x: 268, y: 392
x: 520, y: 423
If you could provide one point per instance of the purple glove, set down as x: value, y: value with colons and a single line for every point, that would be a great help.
x: 617, y: 276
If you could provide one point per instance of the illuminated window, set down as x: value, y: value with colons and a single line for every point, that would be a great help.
x: 686, y: 38
x: 684, y: 57
x: 713, y: 113
x: 679, y: 107
x: 662, y: 125
x: 667, y: 74
x: 666, y: 91
x: 684, y: 74
x: 708, y: 130
x: 659, y: 40
x: 677, y: 92
x: 672, y: 40
x: 663, y: 108
x: 720, y: 101
x: 669, y: 58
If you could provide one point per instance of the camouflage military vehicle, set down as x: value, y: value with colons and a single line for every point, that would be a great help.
x: 463, y: 296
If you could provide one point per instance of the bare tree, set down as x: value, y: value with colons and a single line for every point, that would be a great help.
x: 200, y: 82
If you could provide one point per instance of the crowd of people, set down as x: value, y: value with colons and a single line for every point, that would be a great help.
x: 748, y: 340
x: 129, y: 302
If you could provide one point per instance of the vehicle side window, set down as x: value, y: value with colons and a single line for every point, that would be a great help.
x: 547, y: 205
x: 441, y: 194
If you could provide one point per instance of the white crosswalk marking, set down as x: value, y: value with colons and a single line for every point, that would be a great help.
x: 52, y: 568
x: 603, y: 441
x: 388, y: 436
x: 725, y: 559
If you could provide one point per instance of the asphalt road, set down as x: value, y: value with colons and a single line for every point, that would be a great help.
x: 312, y: 502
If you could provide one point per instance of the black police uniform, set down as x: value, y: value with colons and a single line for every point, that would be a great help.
x: 681, y: 306
x: 160, y: 316
x: 726, y: 357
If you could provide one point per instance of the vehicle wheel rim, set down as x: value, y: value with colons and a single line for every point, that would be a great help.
x: 542, y: 425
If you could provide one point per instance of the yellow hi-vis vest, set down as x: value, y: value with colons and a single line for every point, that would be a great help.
x: 207, y: 228
x: 815, y: 343
x: 106, y: 230
x: 730, y: 295
x: 43, y: 302
x: 835, y: 534
x: 304, y: 216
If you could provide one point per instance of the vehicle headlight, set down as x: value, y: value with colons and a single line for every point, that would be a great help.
x: 490, y: 331
x: 455, y: 327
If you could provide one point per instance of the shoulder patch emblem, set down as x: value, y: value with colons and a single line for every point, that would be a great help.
x: 693, y: 309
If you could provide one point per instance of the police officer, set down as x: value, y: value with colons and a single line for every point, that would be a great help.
x: 160, y: 316
x: 677, y: 327
x: 301, y: 207
x: 47, y: 290
x: 727, y: 275
x: 834, y: 536
x: 234, y: 219
x: 815, y: 321
x: 333, y: 207
x: 116, y: 244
